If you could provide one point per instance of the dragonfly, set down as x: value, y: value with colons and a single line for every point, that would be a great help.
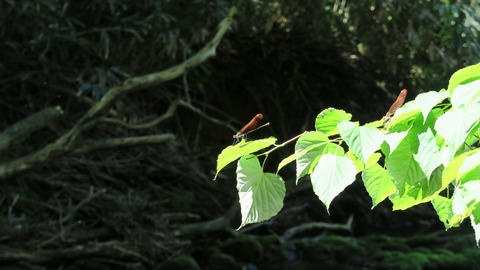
x: 396, y: 105
x: 248, y: 128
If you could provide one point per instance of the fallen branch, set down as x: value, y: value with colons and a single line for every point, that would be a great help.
x: 220, y: 223
x: 110, y: 249
x: 21, y: 129
x: 318, y: 225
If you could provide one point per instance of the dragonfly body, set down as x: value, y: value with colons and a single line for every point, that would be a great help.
x: 396, y: 105
x: 250, y: 126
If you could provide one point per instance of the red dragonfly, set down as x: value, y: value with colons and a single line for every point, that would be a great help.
x: 250, y: 127
x: 396, y: 105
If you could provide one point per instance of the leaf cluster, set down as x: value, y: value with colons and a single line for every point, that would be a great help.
x: 430, y: 145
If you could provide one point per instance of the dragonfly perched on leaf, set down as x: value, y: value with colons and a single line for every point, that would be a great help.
x: 248, y: 128
x: 396, y: 105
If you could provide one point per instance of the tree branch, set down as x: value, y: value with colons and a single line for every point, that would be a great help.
x: 111, y: 143
x: 68, y: 142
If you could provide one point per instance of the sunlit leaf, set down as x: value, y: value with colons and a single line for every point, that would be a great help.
x: 364, y: 141
x: 464, y: 76
x: 393, y: 140
x: 426, y: 101
x: 261, y: 194
x: 401, y: 118
x: 443, y: 207
x: 232, y: 153
x: 454, y: 126
x: 378, y: 182
x: 305, y: 143
x: 475, y: 221
x: 465, y: 94
x: 331, y: 176
x: 306, y: 162
x: 402, y: 165
x: 428, y: 156
x: 420, y: 192
x: 328, y: 119
x: 452, y: 171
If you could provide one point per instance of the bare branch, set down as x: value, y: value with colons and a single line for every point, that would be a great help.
x: 102, y: 144
x: 150, y: 124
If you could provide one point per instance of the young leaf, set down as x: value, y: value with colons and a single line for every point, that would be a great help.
x: 261, y: 194
x: 364, y: 141
x: 331, y: 176
x: 328, y: 119
x: 378, y: 182
x: 232, y: 153
x: 463, y: 76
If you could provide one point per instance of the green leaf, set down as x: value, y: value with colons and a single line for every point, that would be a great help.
x: 331, y: 176
x: 358, y: 163
x: 426, y: 101
x: 378, y: 182
x: 364, y: 141
x: 471, y: 163
x: 393, y: 140
x: 375, y: 124
x: 429, y: 156
x: 304, y: 144
x: 328, y: 119
x: 232, y: 153
x: 443, y: 207
x: 316, y: 146
x: 454, y: 126
x: 402, y: 165
x: 452, y: 171
x: 463, y: 76
x: 460, y: 201
x: 400, y: 120
x: 261, y: 194
x: 465, y: 94
x: 423, y: 191
x: 475, y: 220
x: 473, y: 189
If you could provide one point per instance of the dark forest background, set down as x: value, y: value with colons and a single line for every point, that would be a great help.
x: 133, y: 189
